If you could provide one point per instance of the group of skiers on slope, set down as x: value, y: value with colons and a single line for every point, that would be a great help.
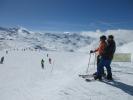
x: 105, y: 52
x: 42, y: 62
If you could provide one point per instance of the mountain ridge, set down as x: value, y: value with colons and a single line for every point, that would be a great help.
x: 18, y: 37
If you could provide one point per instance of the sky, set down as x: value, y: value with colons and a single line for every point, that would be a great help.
x: 67, y: 15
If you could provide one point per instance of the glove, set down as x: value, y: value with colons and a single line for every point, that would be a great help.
x: 99, y: 57
x: 91, y: 51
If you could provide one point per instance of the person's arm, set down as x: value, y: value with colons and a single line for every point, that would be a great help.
x: 93, y: 51
x: 97, y: 49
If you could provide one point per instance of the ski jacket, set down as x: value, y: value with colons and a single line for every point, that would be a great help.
x: 109, y: 50
x: 42, y: 61
x: 101, y: 48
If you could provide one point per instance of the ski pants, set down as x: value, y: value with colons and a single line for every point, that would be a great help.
x: 104, y: 62
x: 42, y: 66
x: 98, y: 60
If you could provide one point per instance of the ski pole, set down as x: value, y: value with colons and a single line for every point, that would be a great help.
x: 94, y: 60
x: 88, y: 64
x: 52, y: 67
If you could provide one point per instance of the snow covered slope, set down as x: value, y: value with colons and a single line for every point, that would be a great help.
x: 21, y: 77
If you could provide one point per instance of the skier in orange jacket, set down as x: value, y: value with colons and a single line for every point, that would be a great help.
x: 100, y: 51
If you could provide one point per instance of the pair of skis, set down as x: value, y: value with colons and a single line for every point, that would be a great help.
x: 90, y: 77
x: 87, y: 77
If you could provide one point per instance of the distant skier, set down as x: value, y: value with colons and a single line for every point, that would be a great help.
x: 47, y: 54
x: 6, y: 52
x: 42, y: 63
x: 2, y: 60
x: 50, y: 61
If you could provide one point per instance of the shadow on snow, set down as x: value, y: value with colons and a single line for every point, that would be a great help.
x: 124, y: 87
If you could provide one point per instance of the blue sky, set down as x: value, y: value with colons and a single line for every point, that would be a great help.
x: 67, y: 15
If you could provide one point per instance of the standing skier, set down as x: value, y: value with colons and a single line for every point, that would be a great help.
x: 100, y: 51
x: 42, y: 63
x: 47, y: 54
x: 50, y: 61
x: 108, y: 55
x: 2, y: 60
x: 6, y: 52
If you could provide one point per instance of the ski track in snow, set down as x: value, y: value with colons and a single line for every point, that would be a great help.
x: 21, y: 78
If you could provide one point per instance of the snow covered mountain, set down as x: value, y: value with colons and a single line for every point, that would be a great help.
x: 17, y: 37
x: 20, y: 37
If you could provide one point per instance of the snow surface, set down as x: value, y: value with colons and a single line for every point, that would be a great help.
x: 22, y: 78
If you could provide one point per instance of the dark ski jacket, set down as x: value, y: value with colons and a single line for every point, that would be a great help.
x: 109, y: 50
x: 42, y: 61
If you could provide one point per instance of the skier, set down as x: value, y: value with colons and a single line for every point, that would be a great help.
x: 100, y: 51
x: 6, y: 52
x: 50, y: 61
x: 42, y: 63
x: 2, y: 60
x: 47, y: 54
x: 108, y: 55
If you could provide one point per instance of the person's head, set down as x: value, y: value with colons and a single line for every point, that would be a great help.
x: 102, y: 38
x: 110, y: 37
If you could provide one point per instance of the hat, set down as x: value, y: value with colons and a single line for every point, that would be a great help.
x: 103, y: 37
x: 111, y: 36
